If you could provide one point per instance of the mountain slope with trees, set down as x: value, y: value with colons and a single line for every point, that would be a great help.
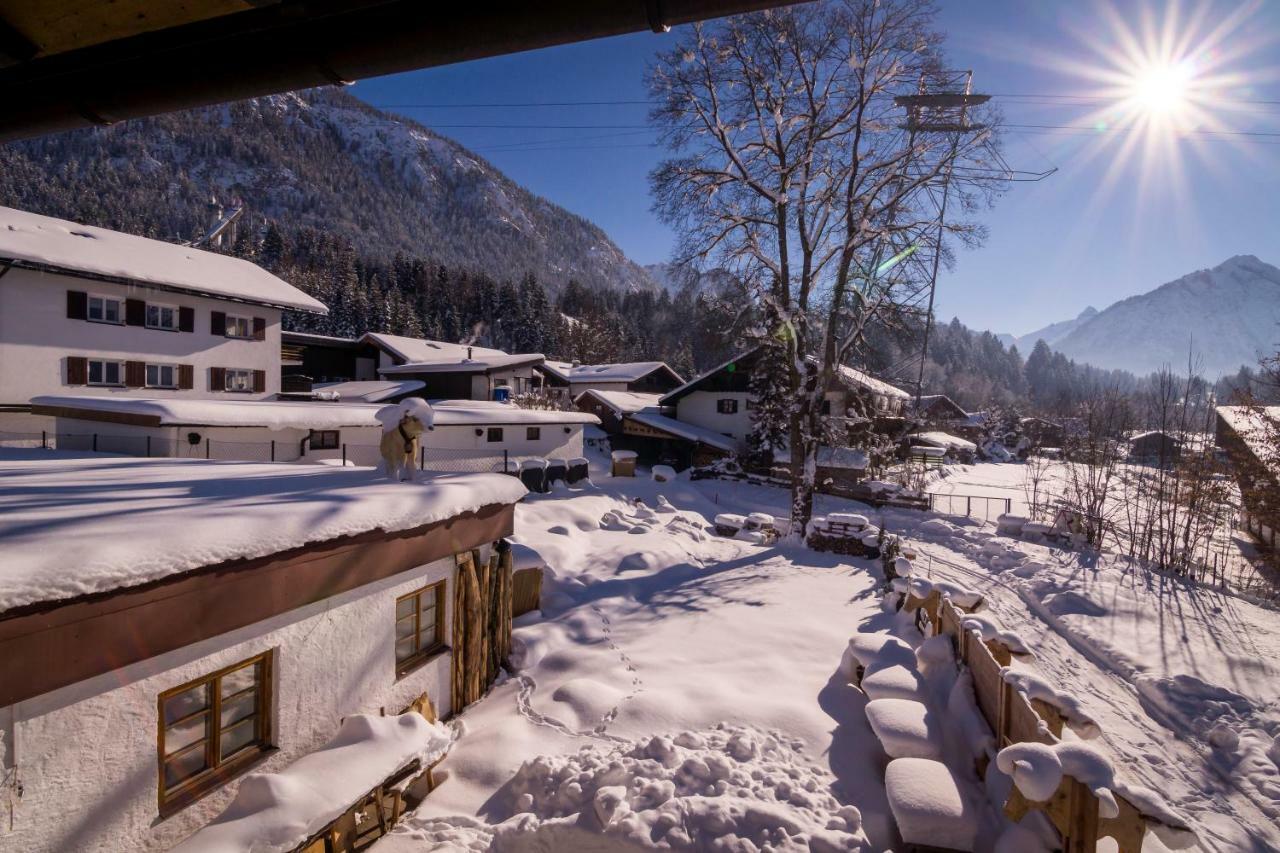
x: 318, y: 159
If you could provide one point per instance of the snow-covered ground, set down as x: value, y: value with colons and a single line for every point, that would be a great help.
x: 681, y: 689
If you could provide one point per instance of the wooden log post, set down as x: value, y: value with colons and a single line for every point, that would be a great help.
x: 458, y: 693
x: 474, y: 631
x: 504, y: 605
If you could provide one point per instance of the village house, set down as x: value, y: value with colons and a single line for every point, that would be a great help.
x: 720, y: 400
x: 445, y: 370
x: 89, y: 311
x: 249, y: 611
x: 1157, y: 447
x: 468, y: 435
x: 639, y: 422
x: 1248, y: 437
x: 562, y: 379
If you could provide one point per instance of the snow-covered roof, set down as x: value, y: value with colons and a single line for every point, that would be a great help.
x: 687, y: 431
x: 45, y: 242
x: 623, y: 402
x: 154, y: 518
x: 945, y: 439
x: 285, y: 414
x: 421, y: 350
x: 844, y: 372
x: 1257, y: 428
x: 479, y: 364
x: 369, y: 391
x: 869, y: 382
x: 620, y: 372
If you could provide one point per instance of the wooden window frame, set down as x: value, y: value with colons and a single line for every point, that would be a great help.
x: 316, y: 440
x: 231, y: 320
x: 104, y: 299
x: 160, y: 367
x: 102, y: 383
x: 494, y: 435
x: 161, y: 306
x: 219, y: 770
x: 533, y: 433
x: 229, y: 372
x: 437, y: 645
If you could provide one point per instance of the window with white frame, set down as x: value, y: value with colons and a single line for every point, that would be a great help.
x: 102, y: 372
x: 105, y: 309
x: 239, y: 380
x: 162, y: 376
x: 162, y: 317
x: 727, y: 406
x: 239, y: 327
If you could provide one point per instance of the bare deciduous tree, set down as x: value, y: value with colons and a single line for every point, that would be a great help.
x: 793, y: 169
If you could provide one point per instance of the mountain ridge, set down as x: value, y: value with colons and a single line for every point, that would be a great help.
x: 1222, y: 317
x: 318, y: 159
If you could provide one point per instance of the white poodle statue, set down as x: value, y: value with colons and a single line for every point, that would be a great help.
x: 402, y: 424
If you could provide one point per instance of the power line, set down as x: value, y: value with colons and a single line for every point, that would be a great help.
x: 1048, y: 96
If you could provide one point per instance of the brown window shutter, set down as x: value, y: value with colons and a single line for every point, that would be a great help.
x: 217, y: 379
x: 259, y: 329
x: 77, y: 305
x: 186, y: 319
x: 135, y: 374
x: 259, y: 381
x: 186, y: 377
x: 218, y: 323
x: 135, y: 312
x: 77, y: 370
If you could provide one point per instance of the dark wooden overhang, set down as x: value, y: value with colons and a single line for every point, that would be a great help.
x: 73, y: 63
x: 49, y: 645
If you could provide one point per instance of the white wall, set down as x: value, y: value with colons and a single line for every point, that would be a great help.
x: 36, y: 337
x: 86, y: 754
x: 699, y: 408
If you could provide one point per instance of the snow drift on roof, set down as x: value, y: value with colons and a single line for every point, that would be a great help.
x: 65, y: 245
x: 946, y: 440
x: 369, y: 391
x: 623, y: 402
x: 301, y: 415
x: 426, y: 351
x: 478, y: 364
x: 619, y: 372
x: 869, y: 382
x: 686, y: 431
x: 155, y: 518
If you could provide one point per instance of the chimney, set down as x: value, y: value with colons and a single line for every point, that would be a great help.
x: 468, y: 353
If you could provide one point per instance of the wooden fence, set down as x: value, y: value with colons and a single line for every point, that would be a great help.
x: 1073, y: 809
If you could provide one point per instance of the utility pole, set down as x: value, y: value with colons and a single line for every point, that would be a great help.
x: 940, y: 112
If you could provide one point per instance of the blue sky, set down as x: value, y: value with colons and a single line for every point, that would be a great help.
x: 1124, y: 213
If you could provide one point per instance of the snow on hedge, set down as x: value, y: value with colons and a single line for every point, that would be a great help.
x: 275, y: 812
x: 727, y: 788
x: 182, y: 514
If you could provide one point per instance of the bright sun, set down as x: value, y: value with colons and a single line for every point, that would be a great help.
x: 1162, y: 89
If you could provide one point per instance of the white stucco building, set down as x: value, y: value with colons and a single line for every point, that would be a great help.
x: 86, y: 310
x: 468, y: 435
x: 233, y: 622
